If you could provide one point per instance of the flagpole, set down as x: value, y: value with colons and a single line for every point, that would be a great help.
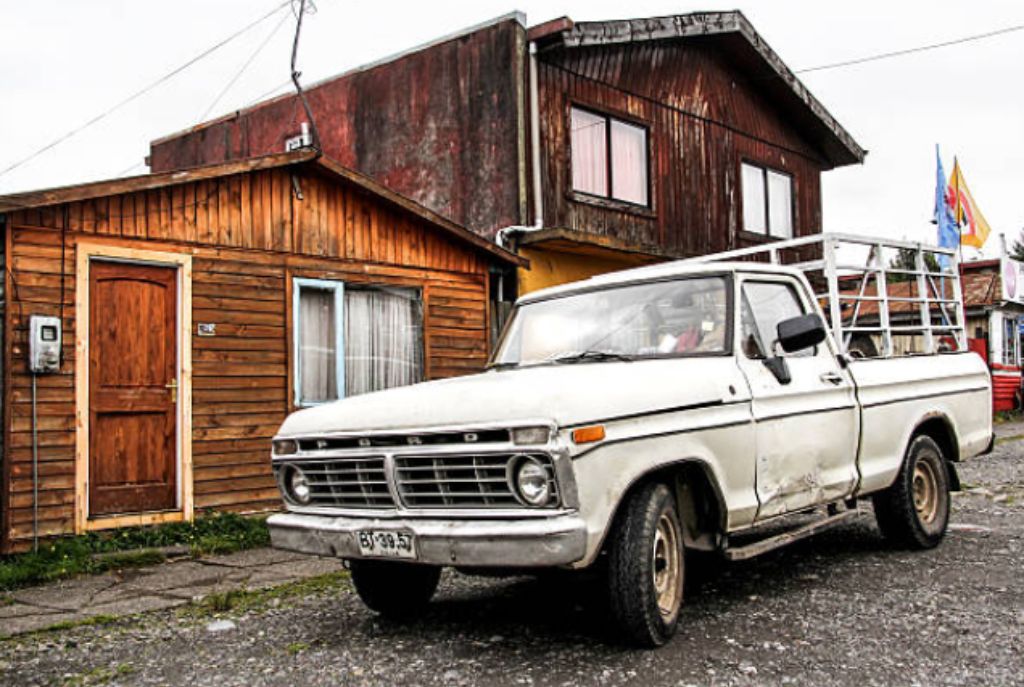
x: 956, y: 207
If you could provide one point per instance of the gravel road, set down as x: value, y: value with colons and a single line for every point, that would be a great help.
x: 841, y: 609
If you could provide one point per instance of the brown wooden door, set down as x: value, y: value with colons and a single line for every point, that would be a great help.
x: 132, y: 409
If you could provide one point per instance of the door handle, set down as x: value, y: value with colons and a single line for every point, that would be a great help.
x: 172, y: 386
x: 833, y: 378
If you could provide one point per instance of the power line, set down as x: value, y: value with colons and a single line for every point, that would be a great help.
x: 910, y: 51
x: 272, y: 91
x: 147, y: 89
x: 245, y: 66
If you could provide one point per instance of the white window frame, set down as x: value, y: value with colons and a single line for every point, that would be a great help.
x: 338, y: 287
x: 766, y: 192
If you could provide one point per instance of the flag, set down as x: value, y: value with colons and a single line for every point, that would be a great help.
x: 974, y: 230
x: 949, y: 234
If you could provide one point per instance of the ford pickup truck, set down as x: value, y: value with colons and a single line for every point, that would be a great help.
x: 709, y: 405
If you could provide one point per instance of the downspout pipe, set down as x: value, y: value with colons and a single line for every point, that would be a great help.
x: 503, y: 235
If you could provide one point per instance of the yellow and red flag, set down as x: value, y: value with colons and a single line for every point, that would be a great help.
x: 974, y: 230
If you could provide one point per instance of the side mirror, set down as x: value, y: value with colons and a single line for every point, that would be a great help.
x: 795, y: 334
x: 798, y: 333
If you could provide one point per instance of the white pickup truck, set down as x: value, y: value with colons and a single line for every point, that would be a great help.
x: 628, y: 417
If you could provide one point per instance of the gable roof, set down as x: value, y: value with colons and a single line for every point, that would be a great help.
x: 744, y: 46
x: 301, y: 158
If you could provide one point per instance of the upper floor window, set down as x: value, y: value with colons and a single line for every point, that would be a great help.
x: 609, y: 157
x: 767, y: 201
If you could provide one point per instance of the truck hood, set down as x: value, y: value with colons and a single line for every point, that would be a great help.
x: 565, y: 394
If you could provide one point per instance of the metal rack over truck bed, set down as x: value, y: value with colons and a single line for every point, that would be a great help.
x: 880, y: 297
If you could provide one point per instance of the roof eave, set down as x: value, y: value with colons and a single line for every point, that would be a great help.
x: 582, y: 34
x: 69, y: 194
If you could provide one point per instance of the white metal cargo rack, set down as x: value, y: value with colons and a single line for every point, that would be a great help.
x: 926, y: 316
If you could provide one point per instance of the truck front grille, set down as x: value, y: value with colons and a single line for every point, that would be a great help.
x: 478, y: 480
x: 462, y: 481
x: 348, y: 482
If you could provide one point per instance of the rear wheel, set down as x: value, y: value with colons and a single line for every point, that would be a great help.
x: 395, y: 590
x: 646, y: 567
x: 914, y: 511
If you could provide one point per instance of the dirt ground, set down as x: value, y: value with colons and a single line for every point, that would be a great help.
x: 841, y: 609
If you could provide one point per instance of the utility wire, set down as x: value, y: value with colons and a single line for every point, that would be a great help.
x: 245, y: 66
x: 910, y: 51
x: 272, y: 91
x: 147, y: 89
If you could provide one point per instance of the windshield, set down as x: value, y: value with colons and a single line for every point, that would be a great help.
x: 684, y: 317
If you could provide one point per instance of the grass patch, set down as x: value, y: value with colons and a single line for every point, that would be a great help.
x: 1005, y: 439
x: 296, y: 648
x: 1007, y: 416
x: 243, y: 600
x: 131, y: 547
x: 99, y: 676
x: 6, y: 600
x: 95, y: 621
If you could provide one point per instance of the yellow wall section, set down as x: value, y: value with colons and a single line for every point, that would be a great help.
x: 551, y: 268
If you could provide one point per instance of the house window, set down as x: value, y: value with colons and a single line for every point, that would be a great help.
x: 353, y: 339
x: 609, y: 157
x: 767, y: 201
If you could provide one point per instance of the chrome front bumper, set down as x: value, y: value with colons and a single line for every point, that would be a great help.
x: 536, y: 542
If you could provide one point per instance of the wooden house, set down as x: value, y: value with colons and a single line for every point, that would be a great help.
x: 591, y: 146
x: 198, y: 308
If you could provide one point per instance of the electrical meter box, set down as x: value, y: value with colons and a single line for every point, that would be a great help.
x: 44, y: 344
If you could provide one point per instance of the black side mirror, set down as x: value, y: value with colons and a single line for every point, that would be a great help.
x: 798, y: 333
x: 778, y: 367
x: 795, y: 334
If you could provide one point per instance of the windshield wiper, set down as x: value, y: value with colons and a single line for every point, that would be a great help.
x: 502, y: 366
x: 592, y: 357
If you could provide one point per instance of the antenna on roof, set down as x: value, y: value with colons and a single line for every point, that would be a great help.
x: 296, y: 74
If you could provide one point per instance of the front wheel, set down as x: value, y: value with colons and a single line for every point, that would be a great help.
x: 646, y: 567
x: 395, y: 590
x: 914, y: 511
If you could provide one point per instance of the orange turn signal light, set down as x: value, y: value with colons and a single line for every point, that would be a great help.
x: 588, y: 435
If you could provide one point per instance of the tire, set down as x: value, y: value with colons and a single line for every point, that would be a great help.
x: 914, y: 512
x: 395, y: 590
x: 646, y: 568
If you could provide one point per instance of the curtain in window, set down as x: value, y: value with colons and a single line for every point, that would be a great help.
x: 589, y: 153
x: 780, y: 205
x: 317, y: 345
x: 629, y: 163
x: 383, y: 339
x: 753, y: 199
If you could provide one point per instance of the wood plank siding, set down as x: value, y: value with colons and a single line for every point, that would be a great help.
x: 703, y: 116
x: 248, y: 236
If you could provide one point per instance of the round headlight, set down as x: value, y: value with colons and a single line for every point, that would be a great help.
x: 296, y: 485
x: 532, y: 482
x: 286, y: 447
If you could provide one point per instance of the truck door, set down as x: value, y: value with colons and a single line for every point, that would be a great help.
x: 807, y: 430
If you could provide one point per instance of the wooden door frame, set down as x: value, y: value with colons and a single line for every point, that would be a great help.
x: 182, y: 263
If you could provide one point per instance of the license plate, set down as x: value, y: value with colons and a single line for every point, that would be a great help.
x: 386, y: 544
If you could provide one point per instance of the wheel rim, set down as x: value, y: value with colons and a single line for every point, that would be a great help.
x: 926, y: 491
x: 667, y: 566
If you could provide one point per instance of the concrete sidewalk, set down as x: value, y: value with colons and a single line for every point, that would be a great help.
x: 153, y: 588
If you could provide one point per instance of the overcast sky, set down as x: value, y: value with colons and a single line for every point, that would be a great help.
x: 64, y: 62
